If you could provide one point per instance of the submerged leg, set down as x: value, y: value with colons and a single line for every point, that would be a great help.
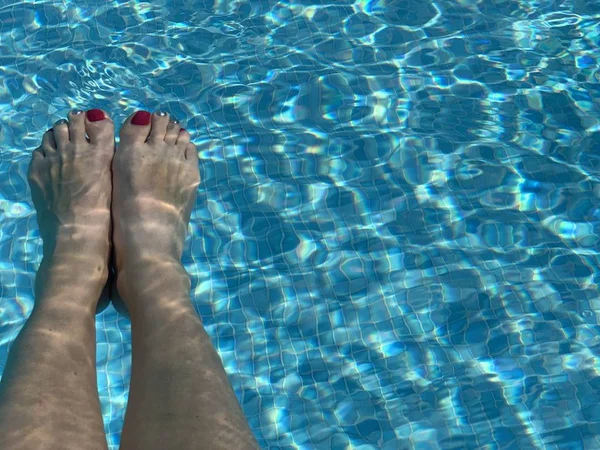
x: 48, y: 394
x: 180, y: 395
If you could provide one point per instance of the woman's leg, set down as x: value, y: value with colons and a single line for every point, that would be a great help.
x: 180, y: 396
x: 48, y: 394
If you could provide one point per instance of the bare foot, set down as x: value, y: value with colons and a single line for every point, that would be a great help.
x: 155, y: 177
x: 70, y: 181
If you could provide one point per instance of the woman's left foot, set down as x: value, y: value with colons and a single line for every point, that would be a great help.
x: 71, y: 184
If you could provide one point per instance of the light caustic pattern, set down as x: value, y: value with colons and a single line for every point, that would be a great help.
x: 395, y: 244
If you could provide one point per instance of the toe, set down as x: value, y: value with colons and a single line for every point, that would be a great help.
x: 38, y: 154
x: 48, y: 144
x: 136, y: 128
x: 183, y: 139
x: 33, y: 172
x: 60, y: 130
x: 77, y: 127
x: 191, y: 153
x: 160, y: 121
x: 99, y: 127
x: 172, y: 132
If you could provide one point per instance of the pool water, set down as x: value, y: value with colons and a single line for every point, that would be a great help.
x: 395, y: 244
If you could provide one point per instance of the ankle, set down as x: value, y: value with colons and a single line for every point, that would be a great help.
x: 149, y: 279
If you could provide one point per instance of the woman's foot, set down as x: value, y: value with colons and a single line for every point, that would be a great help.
x: 155, y: 177
x: 70, y: 179
x: 177, y: 379
x: 49, y: 391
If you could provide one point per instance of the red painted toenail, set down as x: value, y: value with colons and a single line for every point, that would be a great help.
x: 182, y: 130
x: 95, y: 115
x: 141, y: 118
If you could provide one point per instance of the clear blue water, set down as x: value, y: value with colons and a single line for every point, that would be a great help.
x: 395, y: 244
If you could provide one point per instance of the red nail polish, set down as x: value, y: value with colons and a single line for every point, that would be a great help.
x: 95, y: 115
x: 141, y: 118
x: 182, y: 130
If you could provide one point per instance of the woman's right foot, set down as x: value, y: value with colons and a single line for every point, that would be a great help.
x: 155, y: 177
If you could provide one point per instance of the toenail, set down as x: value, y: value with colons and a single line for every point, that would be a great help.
x: 161, y: 113
x: 60, y: 122
x: 95, y: 115
x: 182, y: 130
x: 141, y: 118
x: 174, y: 121
x: 76, y: 112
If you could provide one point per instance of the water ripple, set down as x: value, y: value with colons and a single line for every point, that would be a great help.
x: 396, y: 238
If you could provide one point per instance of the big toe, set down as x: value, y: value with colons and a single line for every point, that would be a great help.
x: 100, y: 128
x: 136, y: 128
